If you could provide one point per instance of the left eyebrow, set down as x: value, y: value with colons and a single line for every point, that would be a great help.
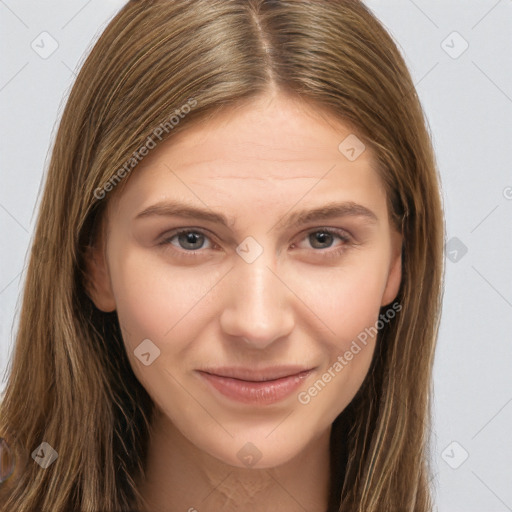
x: 332, y: 210
x: 324, y: 212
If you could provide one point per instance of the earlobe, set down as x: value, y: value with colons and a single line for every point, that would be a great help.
x: 97, y: 282
x: 395, y: 273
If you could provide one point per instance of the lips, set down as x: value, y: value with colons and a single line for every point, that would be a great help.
x: 257, y: 387
x: 255, y: 375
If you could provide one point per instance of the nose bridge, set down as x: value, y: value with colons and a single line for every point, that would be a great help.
x: 258, y: 308
x: 259, y: 289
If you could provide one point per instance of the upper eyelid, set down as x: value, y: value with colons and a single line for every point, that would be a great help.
x: 340, y: 232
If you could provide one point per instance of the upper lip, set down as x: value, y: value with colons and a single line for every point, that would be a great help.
x: 256, y: 375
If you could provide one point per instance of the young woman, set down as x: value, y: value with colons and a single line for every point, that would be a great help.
x: 234, y: 290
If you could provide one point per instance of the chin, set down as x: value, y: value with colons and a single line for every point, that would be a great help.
x: 257, y: 450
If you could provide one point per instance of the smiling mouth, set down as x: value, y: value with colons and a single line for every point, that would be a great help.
x: 256, y: 375
x: 255, y: 387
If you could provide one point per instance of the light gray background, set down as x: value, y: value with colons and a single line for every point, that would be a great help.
x: 468, y: 102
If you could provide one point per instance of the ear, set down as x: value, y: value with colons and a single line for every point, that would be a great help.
x: 97, y: 283
x: 395, y: 270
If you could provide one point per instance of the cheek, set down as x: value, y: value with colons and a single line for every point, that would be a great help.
x: 346, y: 299
x: 348, y: 353
x: 156, y: 301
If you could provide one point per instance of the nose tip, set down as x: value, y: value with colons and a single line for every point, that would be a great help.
x: 258, y: 310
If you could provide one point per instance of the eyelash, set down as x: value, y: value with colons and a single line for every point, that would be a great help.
x: 342, y: 235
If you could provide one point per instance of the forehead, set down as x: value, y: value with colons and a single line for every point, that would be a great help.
x: 270, y: 149
x: 270, y: 129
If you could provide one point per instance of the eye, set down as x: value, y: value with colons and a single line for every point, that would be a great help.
x: 191, y: 241
x: 188, y: 239
x: 324, y: 238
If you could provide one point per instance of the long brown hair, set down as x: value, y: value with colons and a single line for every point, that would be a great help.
x: 70, y: 383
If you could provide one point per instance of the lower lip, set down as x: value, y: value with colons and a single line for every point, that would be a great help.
x: 256, y: 393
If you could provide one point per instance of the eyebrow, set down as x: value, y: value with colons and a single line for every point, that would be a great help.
x: 324, y: 212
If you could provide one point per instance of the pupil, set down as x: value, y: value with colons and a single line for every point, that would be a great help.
x: 321, y: 237
x: 187, y: 240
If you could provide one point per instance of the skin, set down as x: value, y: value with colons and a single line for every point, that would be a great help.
x: 298, y: 302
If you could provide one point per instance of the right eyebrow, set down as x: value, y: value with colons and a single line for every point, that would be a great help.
x: 175, y: 208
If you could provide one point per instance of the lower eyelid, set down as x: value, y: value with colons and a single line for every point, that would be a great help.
x: 343, y: 237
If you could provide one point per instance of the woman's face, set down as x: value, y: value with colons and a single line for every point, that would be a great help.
x: 254, y: 328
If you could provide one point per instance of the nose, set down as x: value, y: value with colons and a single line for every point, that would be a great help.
x: 259, y: 306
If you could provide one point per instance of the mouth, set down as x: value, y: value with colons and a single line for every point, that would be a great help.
x: 256, y: 387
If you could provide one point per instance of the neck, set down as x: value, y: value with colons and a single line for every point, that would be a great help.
x: 181, y: 477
